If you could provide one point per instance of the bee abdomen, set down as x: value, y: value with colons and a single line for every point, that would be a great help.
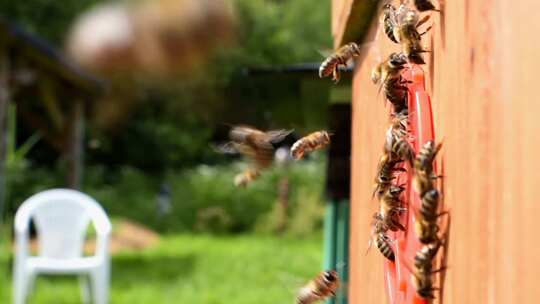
x: 430, y: 205
x: 328, y: 66
x: 383, y: 244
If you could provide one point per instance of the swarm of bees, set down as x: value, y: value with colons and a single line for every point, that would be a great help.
x: 323, y: 286
x: 426, y: 226
x: 259, y: 147
x: 401, y: 25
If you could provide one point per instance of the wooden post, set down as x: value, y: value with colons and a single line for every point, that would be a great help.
x: 75, y: 146
x: 4, y: 100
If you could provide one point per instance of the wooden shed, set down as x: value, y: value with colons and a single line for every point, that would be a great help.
x: 481, y: 77
x: 51, y: 95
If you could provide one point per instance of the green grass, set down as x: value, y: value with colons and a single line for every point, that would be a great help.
x: 198, y: 269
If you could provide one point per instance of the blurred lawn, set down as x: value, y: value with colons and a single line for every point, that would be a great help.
x: 198, y: 269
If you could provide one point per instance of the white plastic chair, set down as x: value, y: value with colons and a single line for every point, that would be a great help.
x: 61, y: 217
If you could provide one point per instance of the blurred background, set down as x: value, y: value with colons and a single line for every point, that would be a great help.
x: 123, y: 100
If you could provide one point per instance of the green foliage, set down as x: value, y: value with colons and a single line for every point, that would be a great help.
x: 196, y: 269
x: 284, y: 31
x: 204, y: 198
x: 49, y: 19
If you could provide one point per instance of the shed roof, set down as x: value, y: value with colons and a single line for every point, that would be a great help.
x: 48, y: 57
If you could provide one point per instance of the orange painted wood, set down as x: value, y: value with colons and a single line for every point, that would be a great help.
x: 482, y: 79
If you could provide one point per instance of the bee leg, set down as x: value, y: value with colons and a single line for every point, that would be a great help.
x: 443, y: 213
x: 335, y: 74
x: 443, y: 268
x: 426, y: 30
x: 422, y: 21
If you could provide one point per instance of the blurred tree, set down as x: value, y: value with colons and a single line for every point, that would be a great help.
x: 50, y: 19
x: 178, y: 119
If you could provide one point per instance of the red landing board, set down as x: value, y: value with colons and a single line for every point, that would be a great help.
x: 397, y: 275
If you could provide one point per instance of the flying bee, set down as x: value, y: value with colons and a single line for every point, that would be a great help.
x: 330, y: 66
x: 423, y: 167
x: 385, y: 174
x: 388, y: 75
x: 307, y: 144
x: 425, y: 5
x: 256, y: 145
x: 246, y: 177
x: 325, y: 285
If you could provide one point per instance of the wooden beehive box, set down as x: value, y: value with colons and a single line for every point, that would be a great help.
x: 482, y: 78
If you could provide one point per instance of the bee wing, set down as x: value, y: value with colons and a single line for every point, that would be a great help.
x: 240, y: 134
x: 325, y: 52
x: 276, y: 136
x: 227, y: 148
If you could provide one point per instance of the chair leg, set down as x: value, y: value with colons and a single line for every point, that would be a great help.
x: 19, y: 289
x: 86, y: 290
x: 100, y: 285
x: 23, y: 285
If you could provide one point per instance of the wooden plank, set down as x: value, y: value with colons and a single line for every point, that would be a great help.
x: 483, y: 85
x: 75, y: 146
x: 351, y: 20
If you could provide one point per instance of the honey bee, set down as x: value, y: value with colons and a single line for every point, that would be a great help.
x: 388, y: 75
x: 423, y: 283
x: 385, y: 174
x: 313, y: 141
x: 406, y: 32
x: 425, y: 5
x: 427, y: 231
x: 391, y: 207
x: 382, y: 241
x: 397, y: 146
x: 426, y: 253
x: 256, y: 145
x: 423, y: 167
x: 401, y: 26
x: 388, y: 20
x: 323, y: 286
x: 330, y: 66
x: 246, y: 177
x: 422, y: 277
x: 430, y: 205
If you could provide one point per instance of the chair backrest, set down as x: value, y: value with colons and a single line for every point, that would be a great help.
x: 61, y: 217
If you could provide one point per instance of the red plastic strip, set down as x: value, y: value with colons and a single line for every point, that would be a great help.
x: 397, y: 275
